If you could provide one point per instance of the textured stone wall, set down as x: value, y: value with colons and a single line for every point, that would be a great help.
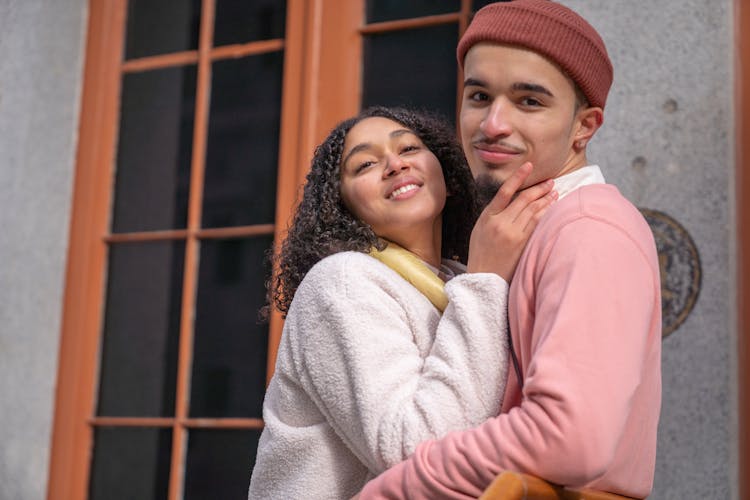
x: 667, y: 144
x: 41, y: 56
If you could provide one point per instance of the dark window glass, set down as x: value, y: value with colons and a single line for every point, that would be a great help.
x: 241, y: 21
x: 243, y: 141
x: 130, y: 463
x: 415, y: 68
x: 219, y: 463
x: 141, y: 329
x: 154, y: 150
x: 229, y: 362
x: 388, y: 10
x: 161, y: 27
x: 478, y: 4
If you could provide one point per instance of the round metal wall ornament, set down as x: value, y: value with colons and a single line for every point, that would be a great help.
x: 679, y: 266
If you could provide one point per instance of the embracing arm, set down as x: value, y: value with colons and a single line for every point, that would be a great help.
x: 355, y: 353
x: 583, y: 365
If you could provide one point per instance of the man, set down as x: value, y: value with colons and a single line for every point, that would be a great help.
x: 582, y: 405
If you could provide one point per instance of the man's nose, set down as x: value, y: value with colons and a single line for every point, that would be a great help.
x: 496, y: 122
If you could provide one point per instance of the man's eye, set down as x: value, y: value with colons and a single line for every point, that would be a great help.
x: 479, y: 96
x: 530, y: 101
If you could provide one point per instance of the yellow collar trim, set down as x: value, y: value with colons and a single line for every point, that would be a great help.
x: 413, y: 270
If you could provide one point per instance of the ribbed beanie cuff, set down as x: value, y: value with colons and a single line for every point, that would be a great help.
x: 553, y: 31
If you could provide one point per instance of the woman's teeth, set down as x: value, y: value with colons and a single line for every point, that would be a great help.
x: 403, y: 189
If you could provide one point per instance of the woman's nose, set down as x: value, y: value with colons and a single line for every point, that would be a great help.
x: 394, y: 165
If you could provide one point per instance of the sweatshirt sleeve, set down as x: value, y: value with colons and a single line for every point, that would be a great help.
x: 594, y: 307
x: 355, y: 354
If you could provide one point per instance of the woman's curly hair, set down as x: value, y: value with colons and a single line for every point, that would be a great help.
x: 322, y: 225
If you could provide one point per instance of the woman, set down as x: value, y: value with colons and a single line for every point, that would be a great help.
x: 368, y: 366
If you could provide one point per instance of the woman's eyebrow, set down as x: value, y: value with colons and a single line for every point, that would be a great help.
x: 401, y: 131
x: 364, y: 146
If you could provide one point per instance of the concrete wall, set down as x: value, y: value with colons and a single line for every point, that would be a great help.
x: 667, y: 144
x: 41, y: 57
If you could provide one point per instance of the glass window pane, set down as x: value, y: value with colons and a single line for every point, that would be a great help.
x: 389, y: 10
x: 141, y: 329
x: 424, y: 61
x: 161, y: 27
x: 154, y: 150
x: 130, y: 463
x: 478, y: 4
x: 242, y: 21
x: 243, y: 141
x: 219, y: 463
x: 229, y: 360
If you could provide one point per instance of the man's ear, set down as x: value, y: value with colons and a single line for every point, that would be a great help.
x: 587, y: 122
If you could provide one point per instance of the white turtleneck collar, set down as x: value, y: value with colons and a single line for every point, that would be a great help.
x: 566, y: 184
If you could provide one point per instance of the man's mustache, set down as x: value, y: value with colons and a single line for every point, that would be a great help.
x: 491, y: 144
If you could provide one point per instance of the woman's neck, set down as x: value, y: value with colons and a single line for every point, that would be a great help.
x: 428, y: 253
x: 426, y: 245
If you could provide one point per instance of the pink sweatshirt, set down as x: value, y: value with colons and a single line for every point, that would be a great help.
x: 585, y: 317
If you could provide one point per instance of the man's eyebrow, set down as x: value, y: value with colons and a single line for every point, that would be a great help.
x: 473, y: 82
x: 531, y: 87
x: 364, y: 146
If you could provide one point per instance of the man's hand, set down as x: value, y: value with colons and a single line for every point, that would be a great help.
x: 506, y: 223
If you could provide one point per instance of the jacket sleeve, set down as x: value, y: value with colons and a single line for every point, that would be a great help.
x: 355, y: 353
x: 594, y: 308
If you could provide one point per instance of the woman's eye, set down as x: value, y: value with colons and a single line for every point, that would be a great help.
x: 409, y: 148
x: 363, y: 166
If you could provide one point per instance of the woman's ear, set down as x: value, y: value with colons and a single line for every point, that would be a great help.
x: 587, y: 122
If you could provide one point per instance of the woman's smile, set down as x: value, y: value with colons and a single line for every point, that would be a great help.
x: 404, y: 189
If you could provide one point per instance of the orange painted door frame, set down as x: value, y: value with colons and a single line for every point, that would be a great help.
x: 742, y: 169
x: 323, y: 89
x: 82, y: 315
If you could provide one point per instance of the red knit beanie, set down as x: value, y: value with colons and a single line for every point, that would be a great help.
x: 553, y: 31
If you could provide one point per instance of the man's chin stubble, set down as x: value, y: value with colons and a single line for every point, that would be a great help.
x: 487, y: 187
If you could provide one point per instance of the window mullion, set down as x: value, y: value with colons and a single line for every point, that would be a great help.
x: 192, y: 250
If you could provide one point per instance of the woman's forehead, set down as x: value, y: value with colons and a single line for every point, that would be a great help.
x: 374, y: 126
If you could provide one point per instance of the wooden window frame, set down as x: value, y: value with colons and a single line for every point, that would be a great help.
x: 742, y: 186
x: 320, y: 87
x: 305, y: 117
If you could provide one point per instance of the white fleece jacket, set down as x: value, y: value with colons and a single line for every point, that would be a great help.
x: 367, y: 369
